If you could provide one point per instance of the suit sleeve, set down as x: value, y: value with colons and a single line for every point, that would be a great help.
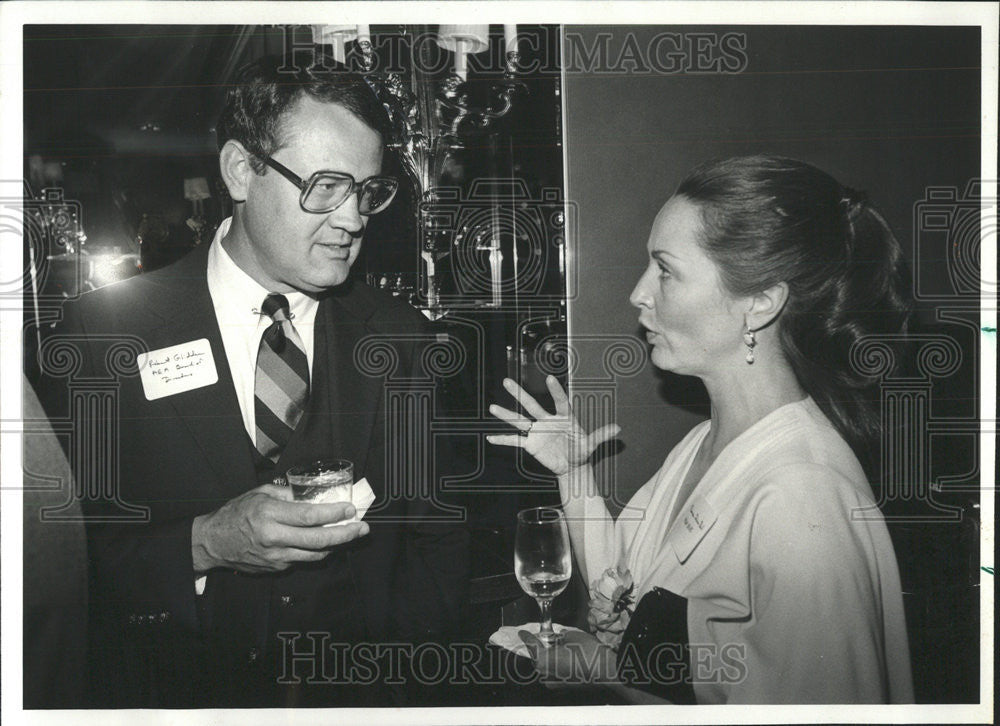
x: 816, y: 633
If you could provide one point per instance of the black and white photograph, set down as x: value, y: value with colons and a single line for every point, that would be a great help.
x: 580, y: 363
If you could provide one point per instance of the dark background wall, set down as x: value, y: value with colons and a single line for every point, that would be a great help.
x: 889, y: 110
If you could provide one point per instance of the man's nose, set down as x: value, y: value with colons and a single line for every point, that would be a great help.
x: 348, y: 217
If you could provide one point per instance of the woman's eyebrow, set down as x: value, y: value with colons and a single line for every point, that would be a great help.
x: 663, y: 253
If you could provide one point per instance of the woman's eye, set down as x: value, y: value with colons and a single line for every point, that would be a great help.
x: 664, y: 272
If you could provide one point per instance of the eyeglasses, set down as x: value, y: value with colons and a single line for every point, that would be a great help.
x: 324, y: 191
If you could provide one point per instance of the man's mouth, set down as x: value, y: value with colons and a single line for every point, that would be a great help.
x: 337, y: 250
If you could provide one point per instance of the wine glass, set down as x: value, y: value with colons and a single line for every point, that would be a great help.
x: 542, y: 561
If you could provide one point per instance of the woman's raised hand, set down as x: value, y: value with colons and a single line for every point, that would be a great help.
x: 557, y: 440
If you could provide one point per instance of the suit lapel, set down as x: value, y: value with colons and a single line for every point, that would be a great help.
x: 354, y: 397
x: 211, y: 414
x: 343, y: 401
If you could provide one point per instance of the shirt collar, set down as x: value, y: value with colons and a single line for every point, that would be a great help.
x: 237, y: 296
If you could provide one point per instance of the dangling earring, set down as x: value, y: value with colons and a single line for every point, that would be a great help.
x: 751, y: 341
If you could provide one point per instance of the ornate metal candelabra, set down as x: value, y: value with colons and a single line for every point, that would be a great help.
x: 432, y: 117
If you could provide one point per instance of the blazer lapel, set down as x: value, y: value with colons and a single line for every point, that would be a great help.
x: 740, y: 462
x: 354, y: 396
x: 211, y: 414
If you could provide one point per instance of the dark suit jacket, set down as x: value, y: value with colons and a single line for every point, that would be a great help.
x: 157, y: 643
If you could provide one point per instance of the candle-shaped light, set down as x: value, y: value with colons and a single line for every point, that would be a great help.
x: 510, y: 39
x: 461, y: 61
x: 462, y: 40
x: 339, y: 48
x: 336, y: 36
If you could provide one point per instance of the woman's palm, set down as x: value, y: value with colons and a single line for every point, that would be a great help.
x: 557, y: 441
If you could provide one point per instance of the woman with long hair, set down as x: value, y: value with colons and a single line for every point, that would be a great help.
x: 754, y: 567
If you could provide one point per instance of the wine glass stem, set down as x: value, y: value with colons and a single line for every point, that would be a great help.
x: 545, y: 631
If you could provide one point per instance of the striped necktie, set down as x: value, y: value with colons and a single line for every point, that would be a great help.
x: 281, y: 384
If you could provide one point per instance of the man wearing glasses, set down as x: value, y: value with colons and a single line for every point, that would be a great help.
x: 232, y: 594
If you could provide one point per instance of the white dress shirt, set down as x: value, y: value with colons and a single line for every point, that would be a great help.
x: 237, y: 299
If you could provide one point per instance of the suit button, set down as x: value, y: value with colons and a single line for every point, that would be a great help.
x: 286, y: 600
x: 253, y: 655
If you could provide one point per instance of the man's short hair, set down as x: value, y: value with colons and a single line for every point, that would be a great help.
x: 268, y: 88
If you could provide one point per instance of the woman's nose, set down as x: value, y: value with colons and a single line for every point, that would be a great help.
x: 640, y: 295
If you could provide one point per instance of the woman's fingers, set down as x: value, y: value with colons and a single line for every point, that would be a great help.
x: 528, y: 403
x: 506, y: 440
x: 559, y: 397
x: 603, y: 434
x: 514, y: 419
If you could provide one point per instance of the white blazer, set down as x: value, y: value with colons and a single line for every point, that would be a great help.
x: 792, y: 583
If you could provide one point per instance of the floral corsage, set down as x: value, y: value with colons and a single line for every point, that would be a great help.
x: 610, y: 601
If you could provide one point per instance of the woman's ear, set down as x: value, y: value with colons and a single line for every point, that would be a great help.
x: 234, y: 165
x: 766, y: 305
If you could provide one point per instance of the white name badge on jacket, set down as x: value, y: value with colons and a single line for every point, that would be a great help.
x: 695, y: 521
x: 177, y: 368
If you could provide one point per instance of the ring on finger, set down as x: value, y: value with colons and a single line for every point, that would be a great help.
x: 524, y: 433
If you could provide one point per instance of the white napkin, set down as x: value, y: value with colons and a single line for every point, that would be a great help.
x: 362, y: 497
x: 508, y: 638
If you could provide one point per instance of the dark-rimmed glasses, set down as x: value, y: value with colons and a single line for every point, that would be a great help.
x: 324, y: 191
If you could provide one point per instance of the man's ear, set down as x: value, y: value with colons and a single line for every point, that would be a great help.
x: 234, y: 164
x: 766, y: 305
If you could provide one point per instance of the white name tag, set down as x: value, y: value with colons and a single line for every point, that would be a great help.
x: 695, y: 521
x: 177, y: 369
